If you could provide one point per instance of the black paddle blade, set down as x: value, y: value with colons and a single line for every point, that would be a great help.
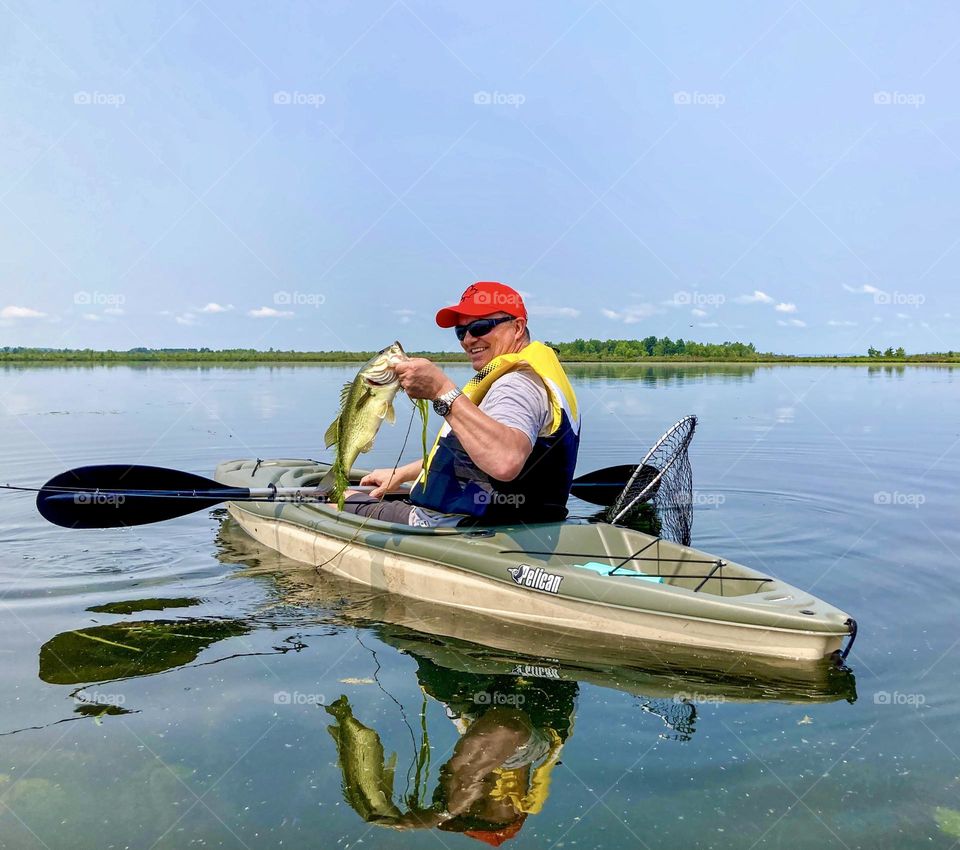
x: 118, y: 495
x: 602, y: 486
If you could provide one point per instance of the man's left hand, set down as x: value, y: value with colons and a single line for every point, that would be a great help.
x: 422, y: 379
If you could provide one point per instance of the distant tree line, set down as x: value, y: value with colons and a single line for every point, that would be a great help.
x: 899, y: 353
x: 651, y: 346
x: 579, y: 350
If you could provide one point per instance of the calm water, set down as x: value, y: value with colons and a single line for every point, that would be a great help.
x: 198, y: 717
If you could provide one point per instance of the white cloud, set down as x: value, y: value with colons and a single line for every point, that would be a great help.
x: 213, y: 307
x: 14, y: 312
x: 758, y: 297
x: 709, y: 324
x: 269, y: 313
x: 786, y: 307
x: 405, y: 314
x: 844, y: 324
x: 91, y: 317
x: 114, y: 311
x: 792, y: 323
x: 866, y: 289
x: 632, y: 314
x: 877, y: 319
x: 186, y: 319
x: 696, y: 311
x: 550, y: 312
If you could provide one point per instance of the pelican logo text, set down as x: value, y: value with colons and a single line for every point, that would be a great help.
x: 535, y: 577
x: 536, y: 671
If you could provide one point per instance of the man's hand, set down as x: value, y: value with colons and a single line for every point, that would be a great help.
x: 422, y: 379
x: 385, y: 480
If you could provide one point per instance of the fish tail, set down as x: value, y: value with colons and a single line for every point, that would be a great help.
x: 335, y: 482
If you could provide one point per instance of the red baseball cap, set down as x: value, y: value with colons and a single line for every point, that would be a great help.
x: 481, y: 299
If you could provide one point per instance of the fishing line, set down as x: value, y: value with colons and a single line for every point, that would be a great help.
x: 403, y: 713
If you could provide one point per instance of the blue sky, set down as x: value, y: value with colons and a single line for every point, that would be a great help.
x: 321, y: 176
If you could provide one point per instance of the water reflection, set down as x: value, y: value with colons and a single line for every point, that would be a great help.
x: 512, y: 730
x: 509, y: 692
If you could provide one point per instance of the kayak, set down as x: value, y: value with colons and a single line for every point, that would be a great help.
x: 463, y: 641
x: 577, y: 577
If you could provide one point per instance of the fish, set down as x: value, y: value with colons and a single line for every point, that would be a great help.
x: 364, y: 403
x: 367, y: 777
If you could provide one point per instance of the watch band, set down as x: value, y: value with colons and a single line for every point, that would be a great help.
x: 444, y: 402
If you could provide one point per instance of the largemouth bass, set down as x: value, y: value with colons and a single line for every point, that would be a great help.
x: 367, y: 778
x: 364, y: 403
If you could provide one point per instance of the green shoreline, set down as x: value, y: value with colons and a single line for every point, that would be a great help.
x: 311, y: 358
x: 650, y: 350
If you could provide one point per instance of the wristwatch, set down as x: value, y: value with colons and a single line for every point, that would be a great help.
x: 443, y: 403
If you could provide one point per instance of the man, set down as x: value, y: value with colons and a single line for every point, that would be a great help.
x: 508, y: 447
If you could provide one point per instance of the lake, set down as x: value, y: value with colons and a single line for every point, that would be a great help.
x: 174, y: 685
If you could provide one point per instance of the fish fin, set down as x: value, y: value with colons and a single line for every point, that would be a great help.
x: 386, y: 780
x: 390, y: 414
x: 366, y: 447
x: 331, y: 436
x: 345, y: 393
x: 366, y: 394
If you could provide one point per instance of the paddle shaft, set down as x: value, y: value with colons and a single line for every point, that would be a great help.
x: 112, y: 496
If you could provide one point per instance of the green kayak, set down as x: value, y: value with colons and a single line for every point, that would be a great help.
x: 572, y: 577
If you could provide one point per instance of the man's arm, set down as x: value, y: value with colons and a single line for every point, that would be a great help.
x: 497, y: 449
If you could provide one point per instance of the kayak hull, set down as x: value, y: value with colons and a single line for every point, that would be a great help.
x: 472, y: 570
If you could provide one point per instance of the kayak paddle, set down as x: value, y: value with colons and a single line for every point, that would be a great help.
x: 115, y: 495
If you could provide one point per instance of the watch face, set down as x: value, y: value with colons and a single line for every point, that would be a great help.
x: 441, y: 408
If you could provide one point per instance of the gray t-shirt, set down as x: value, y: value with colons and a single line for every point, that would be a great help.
x: 518, y: 400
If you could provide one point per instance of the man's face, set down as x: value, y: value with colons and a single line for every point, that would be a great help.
x: 505, y: 338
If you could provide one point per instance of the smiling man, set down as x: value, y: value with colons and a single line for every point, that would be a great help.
x: 508, y: 447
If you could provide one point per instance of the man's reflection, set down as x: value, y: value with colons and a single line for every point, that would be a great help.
x: 512, y: 730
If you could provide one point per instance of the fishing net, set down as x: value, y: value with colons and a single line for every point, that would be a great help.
x: 678, y: 715
x: 664, y: 480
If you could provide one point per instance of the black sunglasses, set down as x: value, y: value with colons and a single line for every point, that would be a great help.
x: 481, y: 327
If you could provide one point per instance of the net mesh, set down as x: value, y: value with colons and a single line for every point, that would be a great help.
x: 678, y: 715
x: 664, y: 480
